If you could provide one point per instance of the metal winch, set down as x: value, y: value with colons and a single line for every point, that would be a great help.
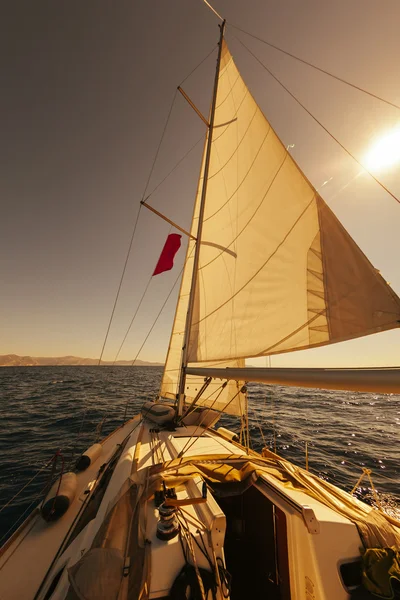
x: 168, y: 524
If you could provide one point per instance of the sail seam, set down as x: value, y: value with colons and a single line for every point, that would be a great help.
x: 227, y: 96
x: 233, y: 119
x: 243, y: 180
x: 356, y: 335
x: 326, y: 310
x: 237, y: 147
x: 252, y: 216
x: 387, y: 326
x: 265, y: 263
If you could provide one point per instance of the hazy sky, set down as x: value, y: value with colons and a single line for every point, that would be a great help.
x: 86, y: 88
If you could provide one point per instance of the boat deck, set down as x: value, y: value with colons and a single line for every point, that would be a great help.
x: 309, y: 522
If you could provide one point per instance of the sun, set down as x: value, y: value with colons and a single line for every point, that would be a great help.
x: 385, y: 152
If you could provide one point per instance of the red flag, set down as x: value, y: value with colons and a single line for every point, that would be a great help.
x: 166, y: 260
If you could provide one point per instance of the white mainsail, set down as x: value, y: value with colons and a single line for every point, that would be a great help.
x: 277, y: 271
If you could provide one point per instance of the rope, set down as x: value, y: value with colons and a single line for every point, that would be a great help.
x: 120, y: 284
x: 186, y: 447
x: 160, y: 143
x: 174, y: 168
x: 242, y: 428
x: 298, y: 442
x: 246, y: 421
x: 20, y: 518
x: 367, y: 472
x: 26, y: 485
x: 319, y: 122
x: 225, y: 578
x: 184, y: 533
x: 135, y: 226
x: 222, y: 576
x: 305, y: 62
x: 192, y: 406
x: 261, y: 431
x: 43, y: 491
x: 273, y: 420
x: 133, y: 318
x: 199, y: 65
x: 145, y: 198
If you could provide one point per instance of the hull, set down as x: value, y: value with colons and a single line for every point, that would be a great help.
x: 274, y: 537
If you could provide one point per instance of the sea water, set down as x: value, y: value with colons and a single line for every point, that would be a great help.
x: 46, y: 409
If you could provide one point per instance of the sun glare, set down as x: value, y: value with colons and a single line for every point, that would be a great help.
x: 385, y: 153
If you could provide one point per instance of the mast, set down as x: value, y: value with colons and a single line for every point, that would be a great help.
x: 182, y: 378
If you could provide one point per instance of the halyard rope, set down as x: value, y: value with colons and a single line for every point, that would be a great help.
x: 317, y: 121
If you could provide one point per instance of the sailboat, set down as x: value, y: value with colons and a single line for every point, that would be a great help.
x: 171, y: 505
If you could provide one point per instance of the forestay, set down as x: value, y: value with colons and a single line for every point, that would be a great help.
x: 277, y: 270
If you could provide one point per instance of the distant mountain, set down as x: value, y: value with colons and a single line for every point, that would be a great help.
x: 13, y: 360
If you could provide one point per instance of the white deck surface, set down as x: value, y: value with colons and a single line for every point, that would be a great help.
x: 38, y: 543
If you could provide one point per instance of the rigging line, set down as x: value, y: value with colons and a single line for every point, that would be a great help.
x: 133, y: 318
x: 154, y: 323
x: 175, y: 167
x: 160, y: 143
x: 259, y: 427
x: 356, y: 87
x: 319, y: 122
x: 273, y: 419
x: 27, y: 484
x: 14, y: 525
x: 199, y: 65
x: 193, y: 406
x: 135, y: 225
x: 187, y: 446
x: 158, y: 315
x: 120, y: 284
x: 376, y: 473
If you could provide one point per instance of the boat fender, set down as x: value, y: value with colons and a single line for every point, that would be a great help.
x: 60, y: 497
x: 89, y: 457
x: 227, y: 433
